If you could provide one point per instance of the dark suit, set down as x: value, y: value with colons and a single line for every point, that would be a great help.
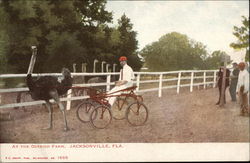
x: 233, y: 84
x: 220, y: 77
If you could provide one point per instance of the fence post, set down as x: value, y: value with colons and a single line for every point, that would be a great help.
x: 204, y: 80
x: 138, y: 82
x: 192, y: 82
x: 214, y: 79
x: 179, y: 82
x: 108, y: 82
x: 69, y: 92
x: 160, y: 85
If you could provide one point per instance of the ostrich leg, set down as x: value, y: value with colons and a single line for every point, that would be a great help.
x: 64, y: 115
x: 55, y: 96
x: 50, y: 109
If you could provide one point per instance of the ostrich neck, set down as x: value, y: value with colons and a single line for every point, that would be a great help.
x: 67, y: 80
x: 84, y: 67
x: 102, y: 67
x: 94, y: 67
x: 32, y: 62
x: 107, y: 68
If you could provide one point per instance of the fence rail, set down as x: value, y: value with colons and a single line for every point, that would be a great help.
x: 159, y: 77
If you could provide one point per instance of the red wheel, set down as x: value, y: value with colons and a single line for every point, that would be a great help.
x: 101, y: 117
x: 137, y: 113
x: 120, y: 106
x: 84, y: 111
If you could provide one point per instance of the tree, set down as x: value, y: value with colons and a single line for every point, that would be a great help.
x: 174, y: 51
x: 242, y: 34
x: 65, y: 51
x: 214, y: 60
x: 64, y: 32
x: 4, y: 41
x: 128, y: 43
x: 123, y: 42
x: 16, y: 28
x: 59, y: 29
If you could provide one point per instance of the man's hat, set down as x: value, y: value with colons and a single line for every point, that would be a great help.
x: 123, y: 58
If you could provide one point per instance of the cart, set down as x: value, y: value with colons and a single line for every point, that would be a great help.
x: 99, y: 113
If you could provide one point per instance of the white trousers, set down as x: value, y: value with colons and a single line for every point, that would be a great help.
x: 111, y: 100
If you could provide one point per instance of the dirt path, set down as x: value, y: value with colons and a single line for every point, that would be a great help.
x: 184, y: 117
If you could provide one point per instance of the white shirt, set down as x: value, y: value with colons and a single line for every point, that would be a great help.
x: 243, y: 80
x: 127, y: 73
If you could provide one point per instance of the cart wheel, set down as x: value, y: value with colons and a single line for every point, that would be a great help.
x: 84, y: 111
x: 101, y: 117
x: 119, y: 108
x: 137, y: 113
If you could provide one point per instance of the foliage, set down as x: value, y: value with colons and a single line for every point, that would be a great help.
x: 214, y: 60
x: 66, y: 50
x: 65, y: 32
x: 4, y: 42
x: 242, y: 34
x: 128, y: 42
x: 175, y: 51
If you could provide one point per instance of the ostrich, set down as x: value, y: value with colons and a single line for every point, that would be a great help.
x: 77, y: 79
x: 102, y: 79
x: 107, y: 67
x: 74, y: 67
x: 98, y: 79
x: 49, y: 87
x: 84, y: 67
x: 103, y: 62
x: 94, y: 67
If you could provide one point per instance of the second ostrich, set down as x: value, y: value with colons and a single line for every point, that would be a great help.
x: 49, y: 87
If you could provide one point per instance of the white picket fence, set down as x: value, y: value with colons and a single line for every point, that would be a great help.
x: 158, y: 77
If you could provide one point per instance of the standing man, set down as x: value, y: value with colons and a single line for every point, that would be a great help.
x: 243, y: 88
x: 234, y: 80
x: 125, y: 79
x: 219, y: 83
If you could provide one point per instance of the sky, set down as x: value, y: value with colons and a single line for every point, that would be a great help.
x: 209, y: 22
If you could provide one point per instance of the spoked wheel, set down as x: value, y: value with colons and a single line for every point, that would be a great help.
x: 137, y: 113
x: 101, y: 117
x: 119, y: 108
x: 84, y: 111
